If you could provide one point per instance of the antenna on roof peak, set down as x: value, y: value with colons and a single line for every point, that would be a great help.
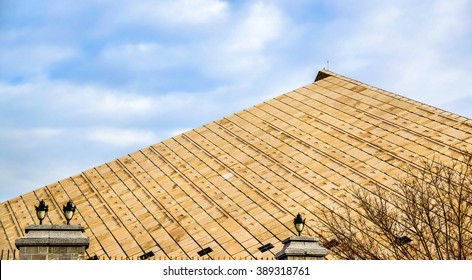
x: 327, y: 65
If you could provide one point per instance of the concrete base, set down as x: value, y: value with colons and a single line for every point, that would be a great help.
x: 53, y: 242
x: 301, y: 248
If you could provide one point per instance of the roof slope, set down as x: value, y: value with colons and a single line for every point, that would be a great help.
x: 235, y: 184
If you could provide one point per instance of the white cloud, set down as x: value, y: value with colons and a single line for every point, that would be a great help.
x: 253, y: 33
x: 108, y: 103
x: 142, y: 57
x: 30, y: 134
x: 19, y: 141
x: 171, y: 12
x: 395, y: 28
x: 113, y: 104
x: 90, y: 101
x: 79, y: 99
x: 43, y: 132
x: 120, y: 137
x: 450, y: 20
x: 242, y: 49
x: 9, y: 91
x: 406, y: 47
x: 32, y: 59
x: 234, y: 44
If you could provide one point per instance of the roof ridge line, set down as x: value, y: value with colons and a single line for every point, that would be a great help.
x: 324, y: 73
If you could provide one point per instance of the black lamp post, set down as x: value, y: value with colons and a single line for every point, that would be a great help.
x: 41, y: 211
x: 69, y: 210
x: 299, y: 223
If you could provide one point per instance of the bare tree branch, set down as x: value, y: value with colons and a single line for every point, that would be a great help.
x: 429, y: 216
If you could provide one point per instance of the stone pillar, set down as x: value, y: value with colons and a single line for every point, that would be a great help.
x: 53, y: 242
x: 301, y: 248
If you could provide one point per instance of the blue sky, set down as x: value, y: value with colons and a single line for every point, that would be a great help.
x: 85, y: 82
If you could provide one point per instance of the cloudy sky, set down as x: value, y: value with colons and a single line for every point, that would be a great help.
x: 85, y: 82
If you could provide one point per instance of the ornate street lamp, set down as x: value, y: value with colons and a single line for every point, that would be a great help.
x: 41, y: 211
x: 299, y: 223
x: 69, y: 210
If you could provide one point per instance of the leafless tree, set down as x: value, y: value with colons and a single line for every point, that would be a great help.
x: 427, y: 214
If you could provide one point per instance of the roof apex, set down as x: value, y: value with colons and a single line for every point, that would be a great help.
x: 323, y: 74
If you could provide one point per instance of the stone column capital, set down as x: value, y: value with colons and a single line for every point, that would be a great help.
x: 301, y: 248
x: 53, y: 242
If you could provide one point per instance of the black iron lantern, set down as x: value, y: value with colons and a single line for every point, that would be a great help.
x: 299, y: 223
x: 41, y: 211
x: 69, y: 210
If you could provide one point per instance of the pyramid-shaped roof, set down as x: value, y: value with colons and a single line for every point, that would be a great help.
x: 235, y: 184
